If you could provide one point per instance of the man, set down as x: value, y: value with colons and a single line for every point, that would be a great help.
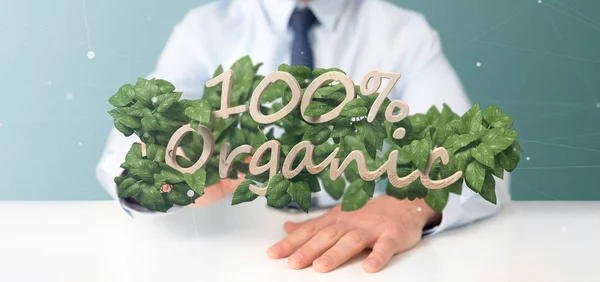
x: 356, y: 36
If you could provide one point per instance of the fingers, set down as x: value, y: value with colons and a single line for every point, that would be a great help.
x: 298, y: 238
x: 383, y: 250
x: 290, y: 227
x: 348, y: 246
x: 316, y: 246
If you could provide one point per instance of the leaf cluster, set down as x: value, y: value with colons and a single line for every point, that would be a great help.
x: 480, y: 144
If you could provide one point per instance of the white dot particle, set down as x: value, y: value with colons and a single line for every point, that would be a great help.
x: 598, y: 105
x: 91, y: 55
x: 154, y: 99
x: 190, y: 193
x: 564, y: 228
x: 539, y: 1
x: 301, y: 52
x: 419, y: 209
x: 307, y: 80
x: 69, y: 96
x: 478, y: 64
x: 49, y: 82
x: 1, y: 124
x: 528, y: 158
x: 80, y: 143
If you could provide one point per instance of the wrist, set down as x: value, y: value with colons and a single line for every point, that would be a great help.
x: 424, y: 216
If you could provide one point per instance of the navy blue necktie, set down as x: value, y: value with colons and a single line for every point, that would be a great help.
x: 301, y: 21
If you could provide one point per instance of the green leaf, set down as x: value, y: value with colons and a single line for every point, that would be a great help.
x: 488, y: 191
x: 278, y: 185
x: 145, y: 170
x: 277, y: 195
x: 164, y: 86
x: 149, y: 123
x: 477, y: 129
x: 317, y: 134
x: 404, y: 155
x: 242, y: 80
x: 325, y: 91
x: 412, y: 191
x: 129, y: 121
x: 418, y: 123
x: 456, y: 187
x: 355, y: 108
x: 335, y: 188
x: 129, y: 188
x: 123, y: 129
x: 178, y: 195
x: 437, y: 199
x: 196, y: 180
x: 151, y: 198
x: 498, y: 139
x: 313, y: 183
x: 518, y: 146
x: 508, y: 159
x: 134, y: 153
x: 496, y: 118
x: 183, y: 162
x: 274, y: 90
x: 247, y: 122
x: 484, y: 155
x: 341, y: 130
x: 278, y: 201
x: 419, y: 153
x: 447, y: 115
x: 165, y: 101
x: 243, y: 194
x: 457, y: 142
x: 317, y: 108
x: 212, y: 176
x: 123, y: 97
x: 166, y: 124
x: 155, y: 152
x: 145, y: 93
x: 355, y: 197
x: 237, y: 137
x: 258, y: 139
x: 475, y: 176
x: 300, y: 193
x: 369, y: 188
x: 460, y: 160
x: 199, y: 111
x: 300, y: 72
x: 170, y: 175
x: 498, y: 171
x: 472, y: 116
x: 433, y: 114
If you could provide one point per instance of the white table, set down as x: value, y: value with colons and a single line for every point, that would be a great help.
x: 96, y: 241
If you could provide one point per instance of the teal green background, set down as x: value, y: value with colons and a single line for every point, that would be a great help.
x: 540, y: 62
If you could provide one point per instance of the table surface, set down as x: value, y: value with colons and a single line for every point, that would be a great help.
x: 97, y: 241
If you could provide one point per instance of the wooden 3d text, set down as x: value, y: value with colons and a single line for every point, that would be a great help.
x: 395, y: 112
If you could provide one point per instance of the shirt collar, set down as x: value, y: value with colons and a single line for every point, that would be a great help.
x: 327, y: 12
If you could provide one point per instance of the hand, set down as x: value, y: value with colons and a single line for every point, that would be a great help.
x: 213, y: 193
x: 386, y: 225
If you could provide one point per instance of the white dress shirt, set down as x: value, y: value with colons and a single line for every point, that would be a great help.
x: 354, y: 35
